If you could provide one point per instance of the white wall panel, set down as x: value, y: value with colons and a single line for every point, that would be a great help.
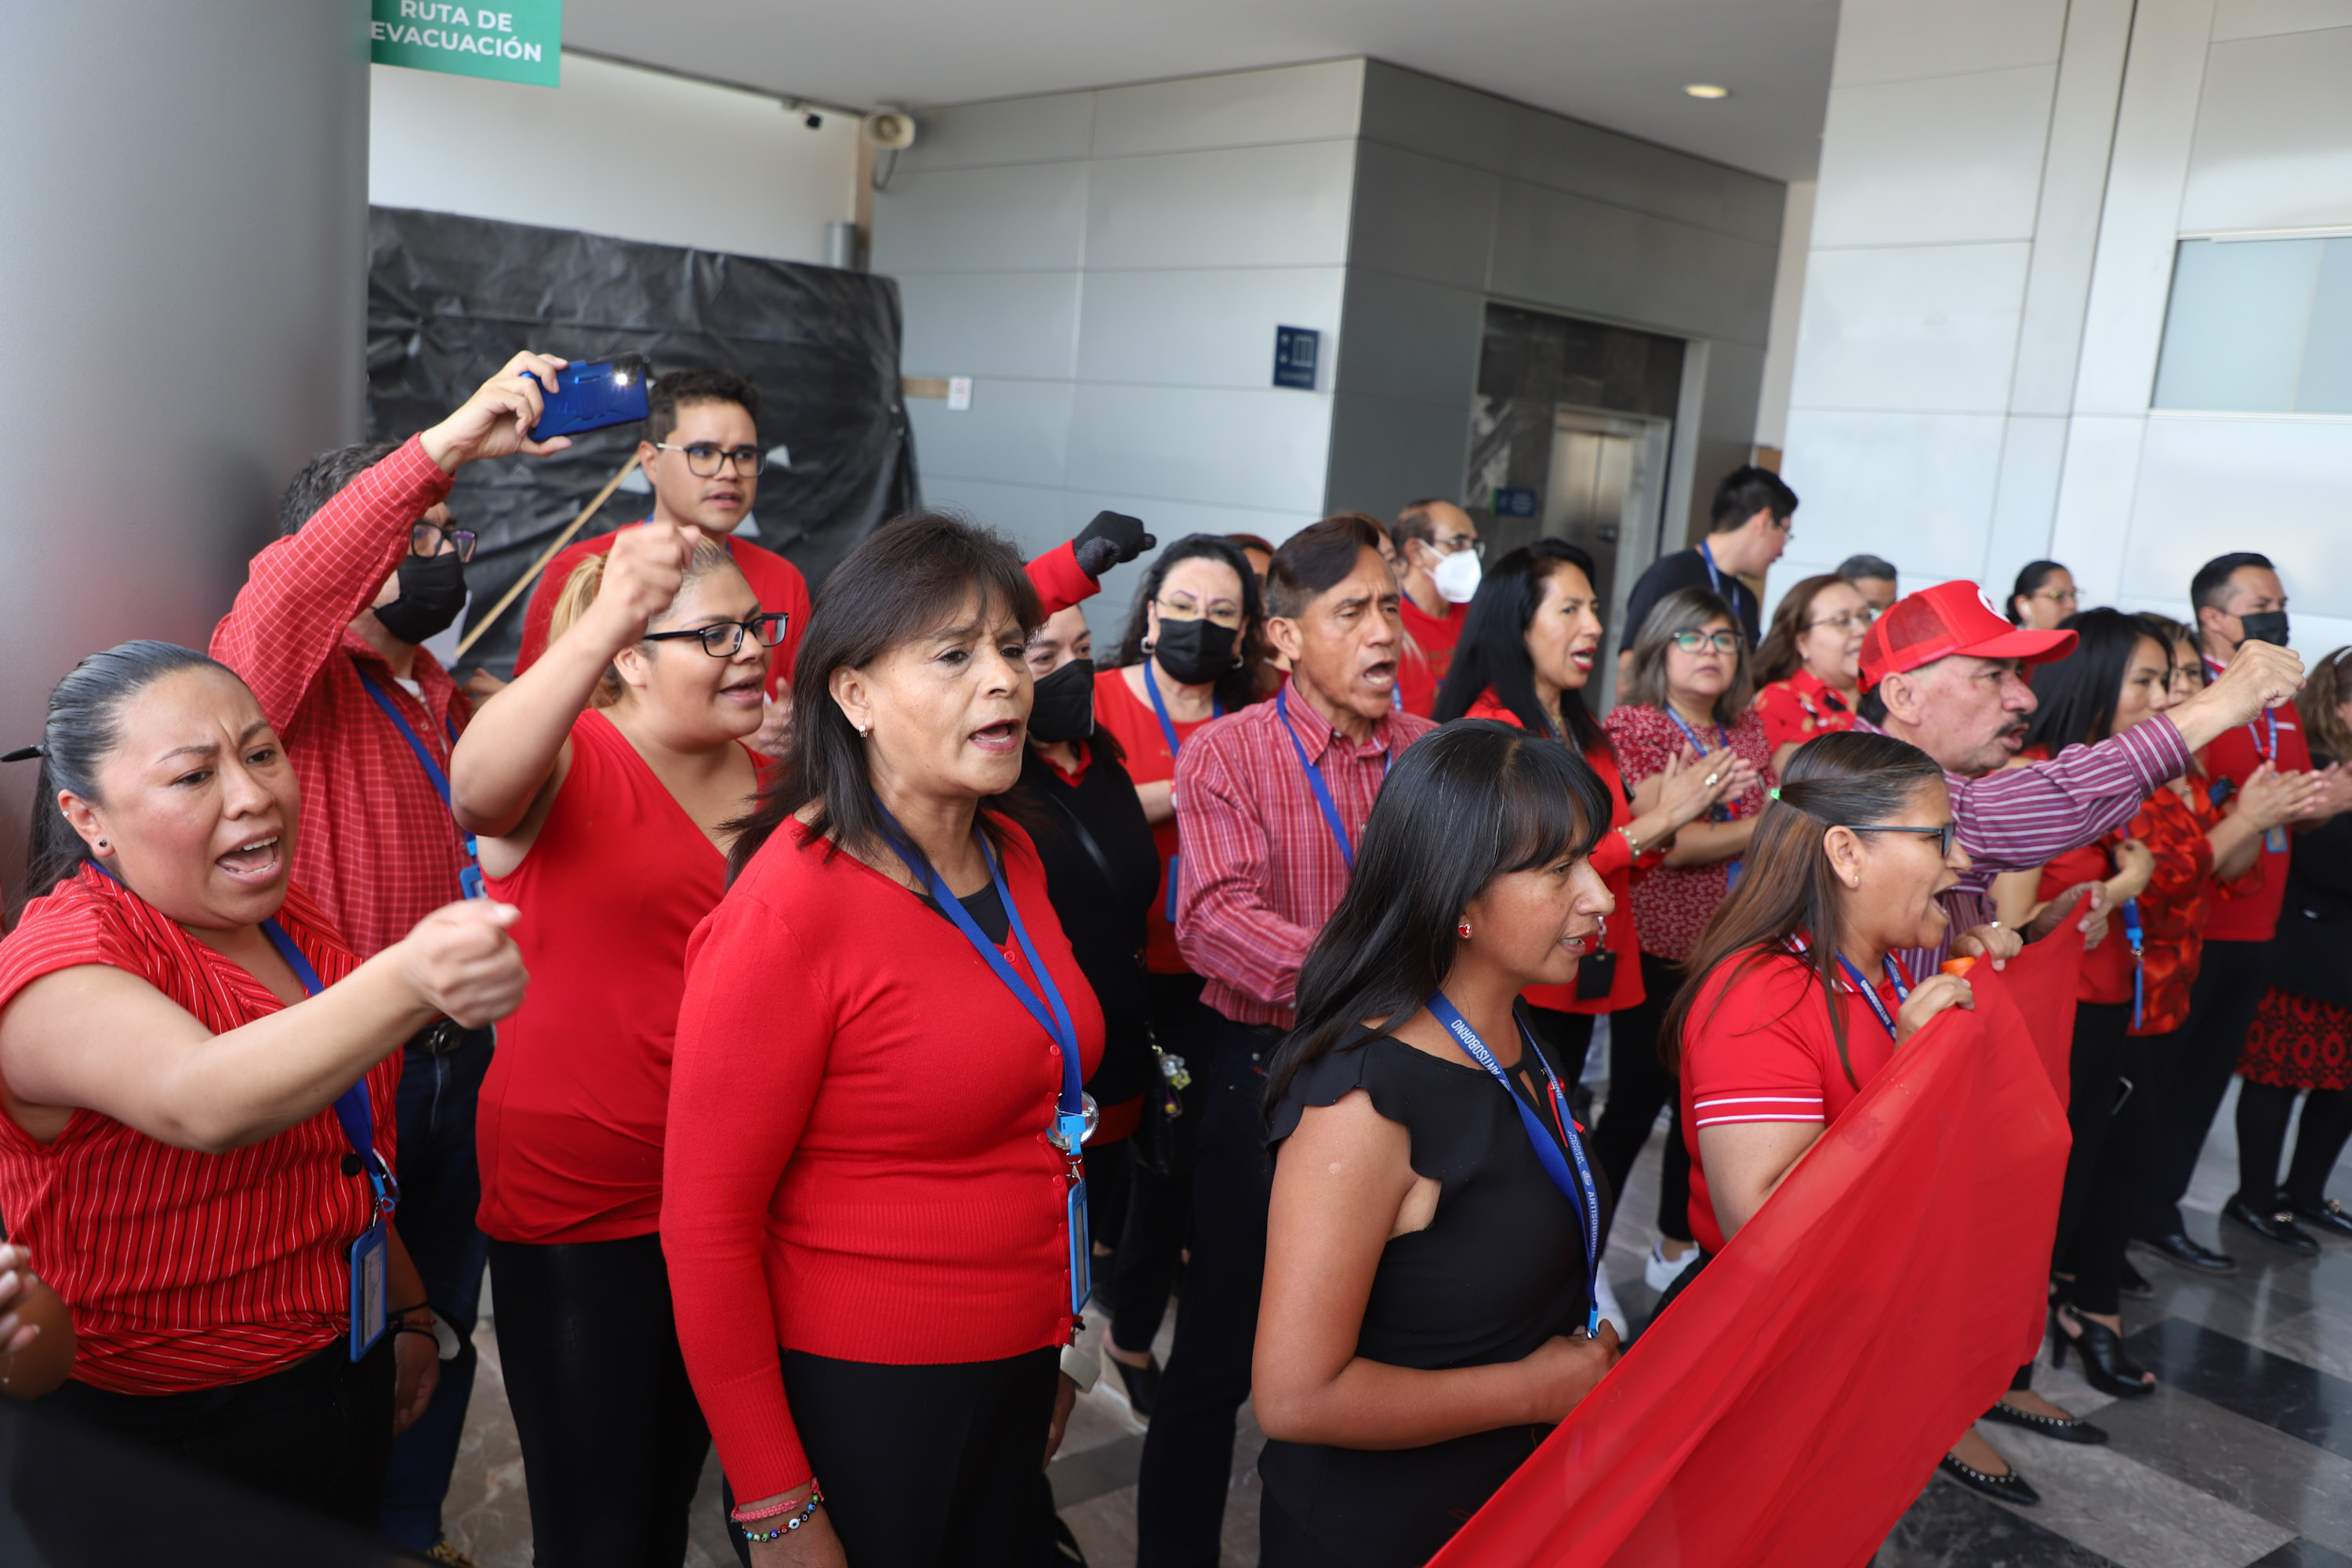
x: 1423, y: 217
x: 1982, y: 134
x: 1015, y: 432
x: 990, y: 323
x: 1931, y: 327
x: 1241, y: 109
x: 1029, y: 216
x: 2025, y: 498
x: 2273, y: 146
x: 2272, y: 485
x: 1574, y: 253
x: 2256, y: 18
x: 1009, y: 130
x: 1897, y: 40
x: 2092, y: 531
x: 1419, y: 341
x: 1284, y: 206
x: 1263, y: 450
x: 1205, y: 327
x: 1034, y: 517
x: 1388, y: 450
x: 1916, y: 488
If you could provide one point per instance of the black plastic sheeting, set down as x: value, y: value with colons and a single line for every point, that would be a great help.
x: 452, y: 298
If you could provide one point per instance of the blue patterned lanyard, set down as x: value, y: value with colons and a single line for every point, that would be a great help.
x: 1869, y: 993
x: 1168, y: 732
x: 2138, y: 949
x: 1715, y: 579
x: 1315, y: 778
x: 1720, y: 812
x: 469, y: 877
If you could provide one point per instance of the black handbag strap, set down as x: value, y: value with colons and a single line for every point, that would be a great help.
x: 1086, y: 839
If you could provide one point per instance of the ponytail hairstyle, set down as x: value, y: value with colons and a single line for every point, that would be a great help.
x: 2030, y: 578
x: 581, y: 588
x: 83, y: 726
x: 1852, y: 780
x: 1492, y: 652
x: 1465, y: 804
x: 905, y: 579
x: 2075, y: 696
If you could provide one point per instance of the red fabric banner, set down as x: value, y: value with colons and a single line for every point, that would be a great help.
x: 1792, y: 1402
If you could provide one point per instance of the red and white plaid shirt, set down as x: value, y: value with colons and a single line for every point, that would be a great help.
x: 1258, y: 871
x: 377, y: 849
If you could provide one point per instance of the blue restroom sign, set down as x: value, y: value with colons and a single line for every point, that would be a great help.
x: 1296, y: 351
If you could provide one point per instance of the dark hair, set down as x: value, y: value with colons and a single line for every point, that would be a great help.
x: 1746, y: 491
x: 84, y: 725
x: 1236, y: 688
x: 2074, y: 696
x: 1464, y: 804
x: 2320, y: 706
x: 1414, y: 520
x: 1854, y: 568
x: 1315, y: 559
x: 902, y: 580
x: 1777, y: 658
x: 697, y: 384
x: 1251, y: 542
x: 1492, y: 652
x: 323, y: 477
x: 2028, y: 582
x: 2210, y: 586
x: 1852, y: 779
x: 1685, y: 610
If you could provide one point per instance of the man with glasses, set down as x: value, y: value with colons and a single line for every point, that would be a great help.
x: 1872, y: 577
x: 1438, y: 556
x: 327, y: 631
x: 702, y: 455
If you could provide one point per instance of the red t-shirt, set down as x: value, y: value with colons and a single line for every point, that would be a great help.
x: 1759, y: 1046
x: 1794, y: 710
x: 1434, y: 634
x: 2107, y: 968
x: 1148, y: 761
x: 777, y: 582
x: 569, y: 1127
x: 1674, y: 902
x: 185, y: 1270
x: 2235, y: 755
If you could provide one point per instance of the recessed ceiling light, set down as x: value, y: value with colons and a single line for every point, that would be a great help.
x: 1707, y: 89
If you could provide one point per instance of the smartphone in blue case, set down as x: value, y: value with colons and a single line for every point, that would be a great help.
x: 591, y: 397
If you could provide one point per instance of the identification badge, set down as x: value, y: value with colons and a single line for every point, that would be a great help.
x: 367, y: 1289
x: 1082, y: 1249
x: 2274, y: 841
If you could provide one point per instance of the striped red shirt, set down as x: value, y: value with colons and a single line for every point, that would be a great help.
x: 378, y: 849
x: 1260, y: 872
x: 185, y: 1271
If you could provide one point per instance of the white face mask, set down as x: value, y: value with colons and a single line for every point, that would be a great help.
x: 1456, y: 577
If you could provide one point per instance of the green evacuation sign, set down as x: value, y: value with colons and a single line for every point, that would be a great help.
x: 509, y: 40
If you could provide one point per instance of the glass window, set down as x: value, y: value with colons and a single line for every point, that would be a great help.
x: 2259, y: 326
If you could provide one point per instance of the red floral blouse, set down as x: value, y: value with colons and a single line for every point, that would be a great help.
x: 1794, y: 710
x: 1673, y: 904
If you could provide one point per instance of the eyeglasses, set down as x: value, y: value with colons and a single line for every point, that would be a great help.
x: 2069, y: 597
x: 424, y: 539
x: 1944, y: 835
x: 726, y: 639
x: 1182, y: 608
x: 1846, y: 620
x: 1455, y: 544
x: 1699, y: 642
x: 703, y: 458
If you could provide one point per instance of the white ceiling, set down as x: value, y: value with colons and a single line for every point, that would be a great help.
x: 1617, y: 63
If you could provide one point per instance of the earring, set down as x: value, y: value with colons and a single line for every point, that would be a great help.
x: 1464, y: 929
x: 864, y: 732
x: 101, y: 844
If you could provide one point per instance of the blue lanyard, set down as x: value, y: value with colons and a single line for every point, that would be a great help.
x: 1315, y: 778
x: 2140, y: 970
x: 1168, y: 732
x: 352, y: 1107
x: 1690, y: 734
x: 469, y: 879
x: 1579, y: 1189
x: 1869, y: 993
x: 1715, y: 578
x: 1069, y: 1128
x: 2267, y: 742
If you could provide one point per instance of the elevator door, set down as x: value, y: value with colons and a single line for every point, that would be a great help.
x: 1608, y: 485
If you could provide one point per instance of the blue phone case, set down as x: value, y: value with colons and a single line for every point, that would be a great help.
x: 591, y: 397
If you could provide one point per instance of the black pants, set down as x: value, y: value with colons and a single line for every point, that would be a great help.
x: 613, y: 1441
x: 926, y: 1467
x: 2191, y: 1085
x: 1159, y: 1223
x: 1188, y: 1455
x: 2094, y: 1254
x: 1284, y: 1543
x: 2094, y: 1067
x: 317, y: 1433
x: 2263, y: 1111
x: 1639, y: 1086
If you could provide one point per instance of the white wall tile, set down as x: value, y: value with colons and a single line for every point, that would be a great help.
x: 1406, y: 338
x: 1240, y: 109
x: 1248, y: 206
x: 2273, y: 146
x: 990, y: 323
x: 2272, y: 485
x: 1021, y: 216
x: 2092, y: 531
x: 1914, y: 488
x: 1930, y: 328
x: 1788, y: 311
x: 1211, y: 327
x: 1935, y: 161
x: 1015, y: 432
x: 1260, y: 449
x: 2025, y: 503
x: 1009, y: 130
x: 1593, y: 258
x: 1894, y: 40
x: 2255, y: 18
x: 1422, y: 217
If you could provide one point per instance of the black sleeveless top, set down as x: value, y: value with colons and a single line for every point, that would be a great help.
x: 1499, y: 1270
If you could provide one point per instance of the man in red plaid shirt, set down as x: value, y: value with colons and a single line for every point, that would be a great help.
x: 326, y: 632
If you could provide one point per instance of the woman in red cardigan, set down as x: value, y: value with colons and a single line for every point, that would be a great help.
x: 873, y: 1163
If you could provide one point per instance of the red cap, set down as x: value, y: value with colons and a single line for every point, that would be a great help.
x: 1955, y: 618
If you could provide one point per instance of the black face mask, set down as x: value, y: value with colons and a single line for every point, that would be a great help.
x: 432, y: 592
x: 1195, y: 652
x: 1062, y: 707
x: 2264, y: 625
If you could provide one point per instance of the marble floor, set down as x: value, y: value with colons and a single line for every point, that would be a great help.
x: 2243, y: 1459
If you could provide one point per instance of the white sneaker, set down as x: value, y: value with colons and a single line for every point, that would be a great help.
x: 1658, y: 1270
x: 1604, y: 1297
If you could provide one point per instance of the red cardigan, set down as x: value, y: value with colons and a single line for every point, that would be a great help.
x: 856, y: 1163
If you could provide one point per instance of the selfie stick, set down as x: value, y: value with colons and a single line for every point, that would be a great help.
x: 540, y: 566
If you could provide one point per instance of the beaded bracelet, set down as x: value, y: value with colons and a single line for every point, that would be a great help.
x: 807, y: 1511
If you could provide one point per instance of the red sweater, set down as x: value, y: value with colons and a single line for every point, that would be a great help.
x: 856, y: 1163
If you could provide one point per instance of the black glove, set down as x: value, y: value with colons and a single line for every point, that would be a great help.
x: 1112, y: 539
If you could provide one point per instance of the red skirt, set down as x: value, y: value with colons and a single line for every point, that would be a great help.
x: 2298, y: 1043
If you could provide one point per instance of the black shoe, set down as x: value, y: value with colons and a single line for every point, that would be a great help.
x: 2327, y: 1215
x: 2130, y: 1281
x: 2177, y: 1248
x: 1140, y: 1384
x: 2066, y: 1429
x: 2010, y: 1488
x: 2272, y: 1224
x: 2105, y: 1367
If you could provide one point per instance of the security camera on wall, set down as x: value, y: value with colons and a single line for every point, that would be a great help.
x: 892, y: 130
